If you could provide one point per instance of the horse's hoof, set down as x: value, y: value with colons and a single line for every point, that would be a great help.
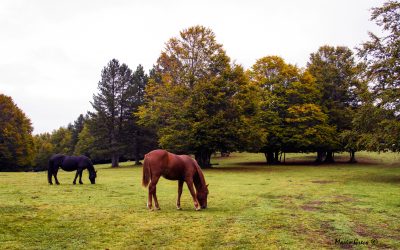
x: 81, y: 183
x: 178, y: 208
x: 197, y: 208
x: 74, y: 183
x: 58, y: 183
x: 157, y: 208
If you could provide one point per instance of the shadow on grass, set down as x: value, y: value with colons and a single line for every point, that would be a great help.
x: 389, y: 179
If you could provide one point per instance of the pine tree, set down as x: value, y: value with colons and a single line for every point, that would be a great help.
x: 112, y: 109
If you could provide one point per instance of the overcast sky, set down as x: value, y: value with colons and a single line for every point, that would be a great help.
x: 52, y: 52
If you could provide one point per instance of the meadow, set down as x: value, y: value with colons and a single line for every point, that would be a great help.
x: 251, y: 206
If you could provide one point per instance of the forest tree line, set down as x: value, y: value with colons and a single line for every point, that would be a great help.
x: 195, y: 100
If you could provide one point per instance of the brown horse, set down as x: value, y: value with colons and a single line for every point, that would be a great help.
x: 174, y: 167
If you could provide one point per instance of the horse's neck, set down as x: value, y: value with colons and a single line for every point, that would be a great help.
x: 198, y: 179
x: 90, y: 168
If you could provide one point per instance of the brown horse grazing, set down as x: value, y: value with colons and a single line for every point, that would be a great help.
x: 174, y: 167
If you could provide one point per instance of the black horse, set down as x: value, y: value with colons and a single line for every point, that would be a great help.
x: 71, y: 163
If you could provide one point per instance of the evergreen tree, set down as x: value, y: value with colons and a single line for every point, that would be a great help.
x: 75, y: 129
x: 112, y: 109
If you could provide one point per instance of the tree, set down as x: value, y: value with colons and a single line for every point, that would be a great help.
x: 61, y: 139
x: 75, y: 129
x: 287, y: 108
x: 139, y: 139
x: 16, y: 141
x: 382, y: 56
x: 112, y: 110
x: 43, y: 150
x: 337, y: 77
x: 85, y: 145
x: 113, y: 125
x: 193, y: 97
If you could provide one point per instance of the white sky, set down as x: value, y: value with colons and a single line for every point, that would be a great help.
x: 52, y: 52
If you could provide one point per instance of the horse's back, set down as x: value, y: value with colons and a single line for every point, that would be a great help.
x: 168, y: 165
x: 72, y: 163
x: 56, y: 160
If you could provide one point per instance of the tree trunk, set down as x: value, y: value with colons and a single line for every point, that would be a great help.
x: 329, y: 157
x: 276, y: 157
x: 320, y: 156
x: 115, y: 160
x: 269, y: 156
x: 203, y: 159
x: 352, y: 157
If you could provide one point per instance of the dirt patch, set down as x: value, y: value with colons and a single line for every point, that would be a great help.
x: 322, y: 181
x: 364, y: 231
x: 342, y: 198
x: 309, y: 208
x: 312, y: 206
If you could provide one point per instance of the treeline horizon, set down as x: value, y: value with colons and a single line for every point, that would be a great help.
x: 195, y: 100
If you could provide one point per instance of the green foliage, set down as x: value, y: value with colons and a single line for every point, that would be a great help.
x: 85, y: 144
x: 61, y: 139
x: 113, y: 124
x: 288, y: 109
x: 195, y: 97
x: 379, y: 118
x: 338, y: 78
x: 382, y: 56
x: 44, y: 148
x: 75, y: 129
x: 16, y: 141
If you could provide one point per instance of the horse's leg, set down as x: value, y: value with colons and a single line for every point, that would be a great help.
x: 178, y: 201
x: 150, y: 199
x: 50, y: 175
x: 80, y: 176
x: 189, y: 183
x: 154, y: 181
x: 76, y: 176
x: 55, y: 175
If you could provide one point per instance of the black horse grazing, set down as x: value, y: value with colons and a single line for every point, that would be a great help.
x: 71, y: 163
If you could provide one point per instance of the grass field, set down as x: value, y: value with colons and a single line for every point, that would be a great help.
x: 251, y: 206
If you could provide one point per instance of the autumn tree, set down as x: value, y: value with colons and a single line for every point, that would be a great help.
x: 287, y: 108
x: 16, y: 141
x: 193, y: 97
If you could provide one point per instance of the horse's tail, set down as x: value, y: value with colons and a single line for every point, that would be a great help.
x: 146, y: 172
x: 50, y: 170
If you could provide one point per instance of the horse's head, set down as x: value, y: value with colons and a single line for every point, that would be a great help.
x: 92, y: 176
x: 202, y: 196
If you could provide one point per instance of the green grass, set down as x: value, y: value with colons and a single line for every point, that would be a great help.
x: 251, y: 206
